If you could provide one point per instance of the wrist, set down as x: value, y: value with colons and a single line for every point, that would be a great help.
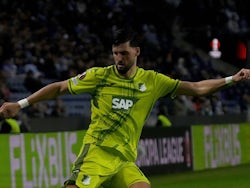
x: 229, y: 80
x: 23, y: 103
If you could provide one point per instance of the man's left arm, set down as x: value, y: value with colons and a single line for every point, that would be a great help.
x: 207, y: 87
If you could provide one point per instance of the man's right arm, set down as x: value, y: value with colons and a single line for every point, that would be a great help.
x: 48, y: 92
x: 51, y: 91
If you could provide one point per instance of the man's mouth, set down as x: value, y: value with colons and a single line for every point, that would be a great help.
x: 120, y: 65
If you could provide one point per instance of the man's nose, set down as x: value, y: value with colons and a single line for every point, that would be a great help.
x: 119, y: 57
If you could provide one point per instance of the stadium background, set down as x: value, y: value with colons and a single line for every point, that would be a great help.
x: 42, y: 42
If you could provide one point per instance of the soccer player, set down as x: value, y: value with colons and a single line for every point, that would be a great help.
x: 122, y: 98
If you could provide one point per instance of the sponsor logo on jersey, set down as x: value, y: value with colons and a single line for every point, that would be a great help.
x: 80, y: 77
x: 74, y: 80
x: 120, y: 103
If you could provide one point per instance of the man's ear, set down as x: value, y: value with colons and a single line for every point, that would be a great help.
x: 138, y: 51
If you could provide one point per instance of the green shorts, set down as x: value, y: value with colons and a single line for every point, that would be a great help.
x: 98, y: 167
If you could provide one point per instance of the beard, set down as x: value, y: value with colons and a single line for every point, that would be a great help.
x: 123, y: 69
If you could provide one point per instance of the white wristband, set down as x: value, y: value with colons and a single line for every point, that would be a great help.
x: 23, y: 103
x: 229, y: 79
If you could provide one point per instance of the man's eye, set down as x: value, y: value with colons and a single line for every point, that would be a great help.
x: 121, y: 53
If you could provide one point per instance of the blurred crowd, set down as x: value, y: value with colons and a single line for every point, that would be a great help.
x: 44, y: 41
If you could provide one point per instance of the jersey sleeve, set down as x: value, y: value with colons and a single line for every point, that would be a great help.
x: 166, y: 86
x: 83, y: 83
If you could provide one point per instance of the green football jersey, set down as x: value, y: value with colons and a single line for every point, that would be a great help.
x: 120, y: 106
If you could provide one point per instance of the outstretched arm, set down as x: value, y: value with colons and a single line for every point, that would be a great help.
x: 51, y: 91
x: 206, y: 87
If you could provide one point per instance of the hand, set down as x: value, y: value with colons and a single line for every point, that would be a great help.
x: 243, y: 74
x: 9, y: 109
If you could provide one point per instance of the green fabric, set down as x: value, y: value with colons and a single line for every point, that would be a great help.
x: 15, y: 128
x: 165, y: 122
x: 120, y: 106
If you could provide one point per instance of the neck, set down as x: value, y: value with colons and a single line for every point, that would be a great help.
x: 129, y: 74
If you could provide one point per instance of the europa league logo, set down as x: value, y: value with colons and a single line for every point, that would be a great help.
x: 215, y: 45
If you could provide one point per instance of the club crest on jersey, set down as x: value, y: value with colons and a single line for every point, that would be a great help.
x: 142, y: 87
x: 86, y: 180
x: 120, y: 103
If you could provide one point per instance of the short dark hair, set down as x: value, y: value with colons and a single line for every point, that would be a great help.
x: 126, y: 34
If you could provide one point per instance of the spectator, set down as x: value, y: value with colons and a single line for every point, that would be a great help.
x: 9, y: 125
x: 162, y: 119
x: 32, y: 83
x: 59, y: 109
x: 5, y: 92
x: 39, y: 110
